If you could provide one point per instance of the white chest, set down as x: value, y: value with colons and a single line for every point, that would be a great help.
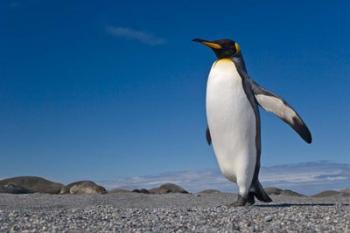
x: 231, y: 119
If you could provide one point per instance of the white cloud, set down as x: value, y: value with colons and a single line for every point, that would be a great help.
x: 130, y: 33
x: 307, y: 178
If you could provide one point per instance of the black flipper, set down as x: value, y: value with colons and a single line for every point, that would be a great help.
x: 275, y: 104
x: 207, y: 135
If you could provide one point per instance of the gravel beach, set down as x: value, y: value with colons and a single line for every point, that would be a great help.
x: 136, y: 212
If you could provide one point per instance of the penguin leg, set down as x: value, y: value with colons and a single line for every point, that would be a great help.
x: 248, y: 200
x: 245, y: 196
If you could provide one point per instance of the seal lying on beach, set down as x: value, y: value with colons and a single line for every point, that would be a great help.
x: 30, y: 184
x: 84, y: 187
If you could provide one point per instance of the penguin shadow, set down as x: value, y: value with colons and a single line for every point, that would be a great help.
x: 284, y: 205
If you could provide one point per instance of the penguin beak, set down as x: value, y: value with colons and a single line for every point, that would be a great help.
x: 210, y: 44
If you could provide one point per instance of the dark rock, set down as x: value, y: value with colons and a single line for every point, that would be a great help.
x: 168, y: 188
x: 84, y: 187
x: 346, y: 190
x: 14, y: 189
x: 119, y: 190
x: 278, y: 191
x: 32, y: 184
x: 141, y: 191
x: 209, y: 191
x: 288, y: 192
x: 327, y: 193
x: 273, y: 191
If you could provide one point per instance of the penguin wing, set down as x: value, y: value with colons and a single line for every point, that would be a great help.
x: 207, y: 135
x: 275, y: 104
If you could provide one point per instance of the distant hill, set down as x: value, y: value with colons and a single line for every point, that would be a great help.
x: 303, y: 178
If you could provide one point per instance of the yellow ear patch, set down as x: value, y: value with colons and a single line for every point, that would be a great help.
x: 212, y: 45
x: 238, y: 49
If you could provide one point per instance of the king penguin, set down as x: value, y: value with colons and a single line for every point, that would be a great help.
x: 232, y: 100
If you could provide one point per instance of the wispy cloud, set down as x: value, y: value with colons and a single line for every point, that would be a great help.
x: 307, y: 178
x: 130, y: 33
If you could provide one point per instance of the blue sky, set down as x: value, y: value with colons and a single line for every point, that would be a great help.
x: 100, y: 90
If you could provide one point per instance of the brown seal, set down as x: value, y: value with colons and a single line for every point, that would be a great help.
x: 84, y: 187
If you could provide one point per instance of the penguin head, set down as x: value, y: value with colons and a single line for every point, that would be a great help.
x: 223, y: 48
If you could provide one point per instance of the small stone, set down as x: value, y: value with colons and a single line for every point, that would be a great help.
x: 268, y: 218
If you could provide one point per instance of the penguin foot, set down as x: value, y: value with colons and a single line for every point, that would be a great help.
x: 243, y: 201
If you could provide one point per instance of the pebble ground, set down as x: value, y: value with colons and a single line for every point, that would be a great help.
x: 133, y: 212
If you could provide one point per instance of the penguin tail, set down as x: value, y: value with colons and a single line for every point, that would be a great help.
x: 260, y: 193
